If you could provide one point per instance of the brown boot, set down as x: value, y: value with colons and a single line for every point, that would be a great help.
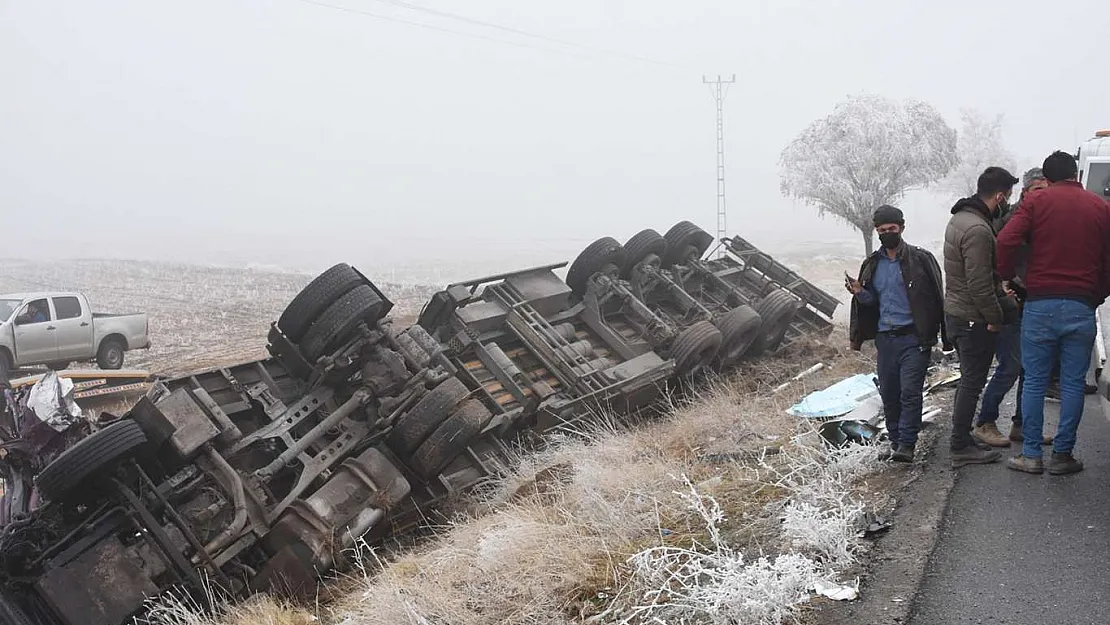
x: 989, y: 434
x: 1064, y: 464
x: 1017, y: 436
x: 1026, y: 465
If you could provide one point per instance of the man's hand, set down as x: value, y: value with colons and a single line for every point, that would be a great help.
x: 1008, y: 288
x: 993, y: 328
x: 853, y: 285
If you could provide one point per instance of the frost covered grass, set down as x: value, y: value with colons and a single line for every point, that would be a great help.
x: 723, y: 512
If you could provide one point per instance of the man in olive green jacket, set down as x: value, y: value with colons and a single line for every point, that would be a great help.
x: 975, y: 304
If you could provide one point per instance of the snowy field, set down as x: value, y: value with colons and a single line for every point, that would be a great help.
x: 199, y: 316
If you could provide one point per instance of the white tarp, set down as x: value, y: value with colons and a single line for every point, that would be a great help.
x: 838, y: 399
x: 52, y: 400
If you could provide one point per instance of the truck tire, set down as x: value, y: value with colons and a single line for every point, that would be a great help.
x: 57, y: 366
x: 740, y: 329
x: 339, y: 320
x: 777, y: 311
x: 685, y: 241
x: 6, y: 362
x: 90, y: 456
x: 450, y: 439
x: 414, y: 427
x: 643, y: 244
x: 110, y: 354
x: 315, y: 298
x: 695, y: 347
x: 603, y: 255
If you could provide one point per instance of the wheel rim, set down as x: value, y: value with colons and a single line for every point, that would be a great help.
x: 115, y: 356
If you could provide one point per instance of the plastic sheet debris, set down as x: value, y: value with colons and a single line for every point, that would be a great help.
x: 843, y: 432
x: 941, y: 377
x: 52, y: 401
x: 836, y: 400
x: 837, y: 592
x: 873, y: 524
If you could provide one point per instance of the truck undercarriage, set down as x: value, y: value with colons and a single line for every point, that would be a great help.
x: 262, y: 475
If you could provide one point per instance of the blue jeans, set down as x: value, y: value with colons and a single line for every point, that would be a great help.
x: 1008, y: 354
x: 902, y: 365
x: 1055, y: 330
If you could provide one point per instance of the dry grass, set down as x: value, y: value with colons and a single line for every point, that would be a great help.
x: 558, y: 542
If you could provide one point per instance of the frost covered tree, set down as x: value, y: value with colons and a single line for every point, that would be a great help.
x: 867, y: 153
x: 979, y: 146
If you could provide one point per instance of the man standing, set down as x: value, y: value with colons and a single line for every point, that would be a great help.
x: 1067, y: 276
x: 975, y: 305
x: 897, y: 302
x: 1008, y: 348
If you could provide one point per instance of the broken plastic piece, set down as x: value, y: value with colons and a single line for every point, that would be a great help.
x: 842, y: 432
x: 838, y: 399
x: 837, y: 592
x: 873, y: 524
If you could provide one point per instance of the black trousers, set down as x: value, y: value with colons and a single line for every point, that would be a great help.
x: 975, y: 347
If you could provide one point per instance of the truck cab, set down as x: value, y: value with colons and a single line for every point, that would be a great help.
x: 1094, y: 164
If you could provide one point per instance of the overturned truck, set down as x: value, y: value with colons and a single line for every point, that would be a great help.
x: 263, y: 475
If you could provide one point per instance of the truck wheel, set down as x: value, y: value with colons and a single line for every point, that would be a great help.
x: 426, y: 415
x: 92, y: 455
x: 740, y: 328
x: 57, y: 366
x: 450, y: 439
x: 685, y: 242
x: 643, y: 244
x: 695, y: 347
x: 6, y: 363
x: 315, y: 298
x: 603, y: 255
x: 777, y: 311
x: 110, y: 354
x: 339, y: 320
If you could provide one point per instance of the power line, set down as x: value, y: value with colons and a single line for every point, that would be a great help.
x: 523, y: 33
x: 519, y: 44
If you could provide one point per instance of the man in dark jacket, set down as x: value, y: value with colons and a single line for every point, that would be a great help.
x: 1008, y: 349
x: 897, y: 302
x: 975, y: 304
x: 1067, y: 276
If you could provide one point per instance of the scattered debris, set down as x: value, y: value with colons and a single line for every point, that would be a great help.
x: 51, y: 398
x: 873, y: 524
x: 837, y: 400
x: 814, y: 369
x: 842, y: 432
x: 941, y: 377
x: 837, y: 592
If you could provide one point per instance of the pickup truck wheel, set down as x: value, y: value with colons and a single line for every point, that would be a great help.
x: 315, y: 298
x: 740, y: 328
x: 450, y: 439
x: 426, y: 415
x: 685, y: 242
x: 695, y: 347
x: 603, y: 255
x: 91, y: 456
x: 642, y: 245
x: 57, y: 366
x: 339, y: 320
x: 777, y: 311
x: 6, y: 363
x: 110, y: 354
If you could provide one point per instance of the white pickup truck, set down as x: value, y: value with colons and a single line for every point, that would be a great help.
x: 55, y: 329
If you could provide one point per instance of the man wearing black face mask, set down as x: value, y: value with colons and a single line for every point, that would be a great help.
x: 897, y: 301
x: 975, y: 304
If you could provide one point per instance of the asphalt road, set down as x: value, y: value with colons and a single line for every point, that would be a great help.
x: 1025, y: 549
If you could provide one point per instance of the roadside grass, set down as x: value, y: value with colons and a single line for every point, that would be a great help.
x: 723, y: 510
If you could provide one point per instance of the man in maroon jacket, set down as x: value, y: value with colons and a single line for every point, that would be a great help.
x: 1066, y: 277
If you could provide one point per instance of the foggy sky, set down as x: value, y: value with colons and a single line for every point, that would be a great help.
x: 279, y: 132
